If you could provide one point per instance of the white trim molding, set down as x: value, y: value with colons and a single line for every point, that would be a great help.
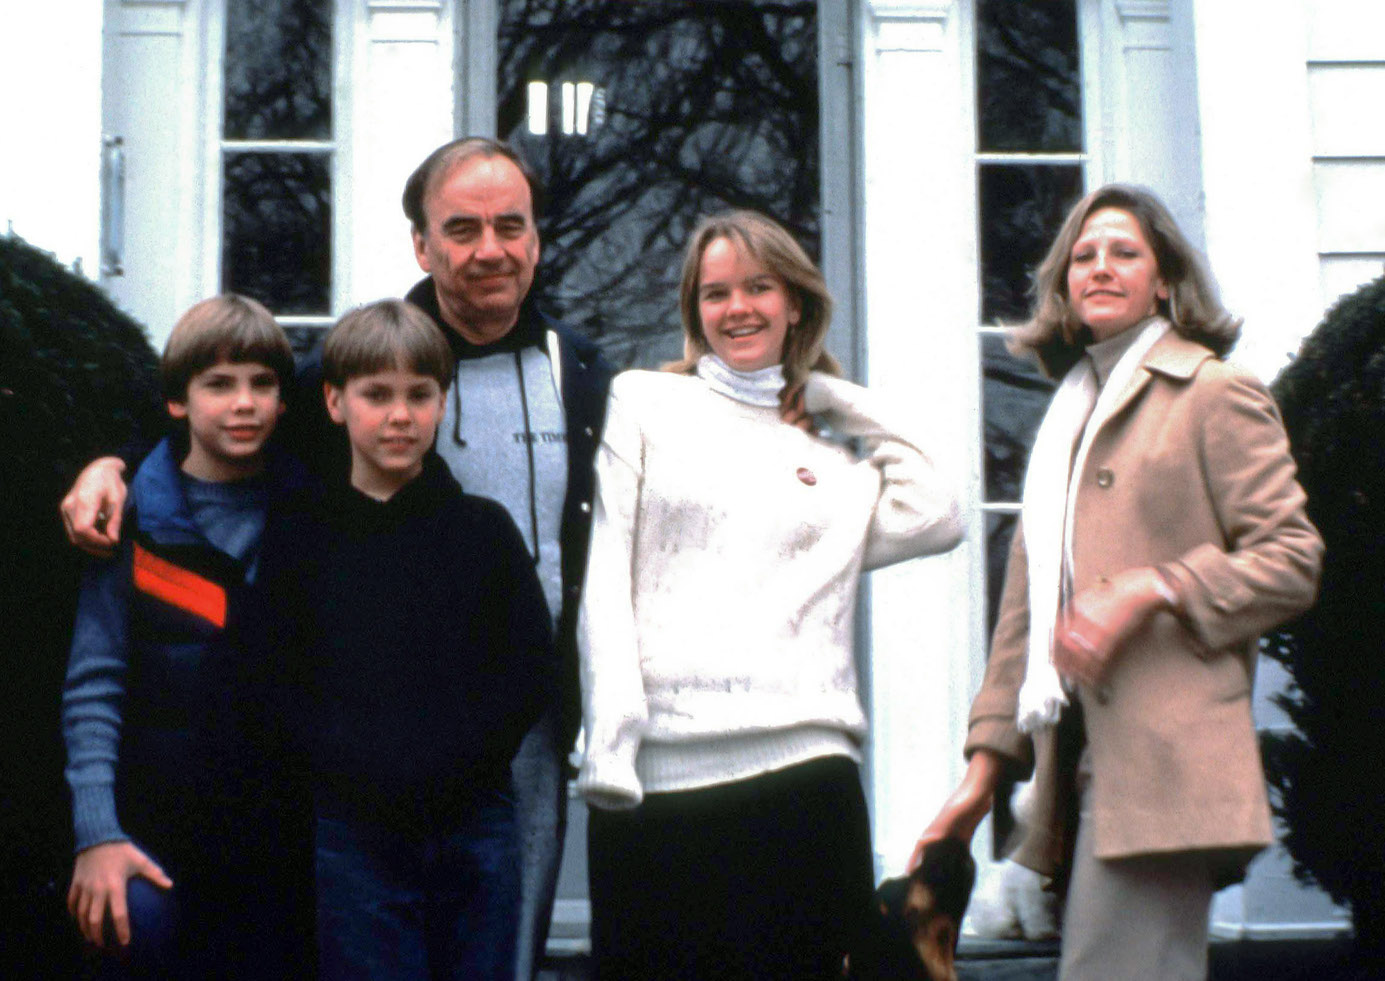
x: 1144, y: 24
x: 1147, y: 103
x: 402, y: 87
x: 907, y: 25
x: 138, y: 18
x: 405, y: 6
x: 918, y: 290
x: 404, y: 21
x: 1135, y: 10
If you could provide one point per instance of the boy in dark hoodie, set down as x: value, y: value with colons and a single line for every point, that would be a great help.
x: 421, y: 653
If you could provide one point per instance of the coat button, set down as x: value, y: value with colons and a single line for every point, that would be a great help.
x: 587, y: 431
x: 1105, y: 478
x: 585, y: 507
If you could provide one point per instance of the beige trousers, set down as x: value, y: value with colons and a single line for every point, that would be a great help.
x: 1135, y: 919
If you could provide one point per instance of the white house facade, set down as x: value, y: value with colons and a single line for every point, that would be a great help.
x: 1258, y: 121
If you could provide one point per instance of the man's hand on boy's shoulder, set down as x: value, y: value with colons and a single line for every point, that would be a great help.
x: 93, y: 508
x: 99, y: 880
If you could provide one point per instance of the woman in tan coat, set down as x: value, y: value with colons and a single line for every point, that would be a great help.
x: 1162, y: 531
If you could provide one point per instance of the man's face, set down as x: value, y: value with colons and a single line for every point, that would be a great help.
x: 480, y: 245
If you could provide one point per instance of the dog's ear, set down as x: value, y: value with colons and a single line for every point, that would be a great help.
x: 948, y: 870
x: 932, y: 931
x: 939, y: 891
x: 919, y: 919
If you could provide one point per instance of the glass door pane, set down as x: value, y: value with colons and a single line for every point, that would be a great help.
x: 1030, y: 156
x: 641, y: 117
x: 277, y: 159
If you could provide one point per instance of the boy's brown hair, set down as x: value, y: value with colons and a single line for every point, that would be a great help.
x: 230, y: 328
x: 382, y: 336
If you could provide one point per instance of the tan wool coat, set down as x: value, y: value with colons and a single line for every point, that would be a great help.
x: 1191, y: 473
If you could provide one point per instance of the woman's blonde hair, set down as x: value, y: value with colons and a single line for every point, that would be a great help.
x: 1053, y: 333
x: 764, y: 240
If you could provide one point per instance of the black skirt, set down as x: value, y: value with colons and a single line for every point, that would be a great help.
x: 765, y: 878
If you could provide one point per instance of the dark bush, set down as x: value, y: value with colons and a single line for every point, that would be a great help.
x: 1328, y: 792
x: 77, y: 378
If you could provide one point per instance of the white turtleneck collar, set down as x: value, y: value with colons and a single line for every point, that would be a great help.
x: 760, y: 387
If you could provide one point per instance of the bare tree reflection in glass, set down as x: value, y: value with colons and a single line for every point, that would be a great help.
x: 695, y: 106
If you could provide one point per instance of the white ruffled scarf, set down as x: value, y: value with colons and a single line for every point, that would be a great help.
x: 760, y: 387
x: 1049, y: 484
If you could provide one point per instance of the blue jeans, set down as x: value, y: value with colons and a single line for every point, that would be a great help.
x: 400, y: 904
x: 541, y: 812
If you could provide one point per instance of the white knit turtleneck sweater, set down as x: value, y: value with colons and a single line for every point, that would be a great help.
x: 727, y: 546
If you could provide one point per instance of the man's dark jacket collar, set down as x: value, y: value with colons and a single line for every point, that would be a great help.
x: 527, y: 331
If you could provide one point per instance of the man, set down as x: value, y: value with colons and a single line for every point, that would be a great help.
x: 522, y: 424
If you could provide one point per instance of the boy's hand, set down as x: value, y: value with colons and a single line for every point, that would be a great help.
x: 98, y: 881
x: 93, y: 507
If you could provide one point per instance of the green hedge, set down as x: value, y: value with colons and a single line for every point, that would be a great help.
x: 77, y: 378
x: 1327, y: 776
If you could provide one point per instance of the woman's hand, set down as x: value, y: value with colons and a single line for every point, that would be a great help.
x: 965, y: 808
x: 791, y: 409
x: 92, y: 509
x: 1095, y: 626
x: 98, y: 882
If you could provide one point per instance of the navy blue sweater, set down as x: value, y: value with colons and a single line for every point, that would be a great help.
x: 416, y: 643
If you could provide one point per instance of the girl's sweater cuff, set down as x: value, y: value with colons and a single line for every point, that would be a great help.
x: 610, y: 783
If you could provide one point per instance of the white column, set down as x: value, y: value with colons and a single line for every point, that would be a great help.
x: 919, y: 288
x: 157, y: 98
x: 403, y: 93
x: 1145, y: 88
x: 50, y: 121
x: 1257, y: 166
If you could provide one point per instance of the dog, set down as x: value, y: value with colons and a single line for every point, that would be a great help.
x: 916, y: 919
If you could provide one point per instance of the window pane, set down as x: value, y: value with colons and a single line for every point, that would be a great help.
x: 1021, y: 209
x: 655, y: 114
x: 1028, y: 90
x: 1000, y: 529
x: 277, y: 230
x: 1014, y: 396
x: 278, y: 70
